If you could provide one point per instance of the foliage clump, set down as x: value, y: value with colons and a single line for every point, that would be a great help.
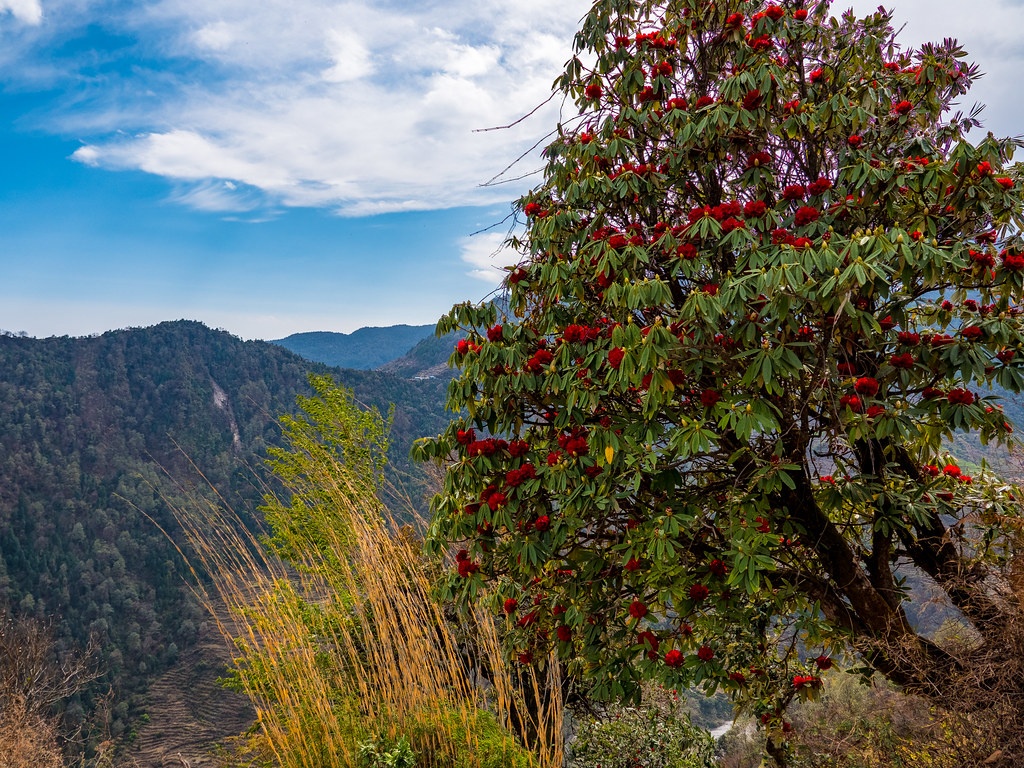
x: 765, y: 277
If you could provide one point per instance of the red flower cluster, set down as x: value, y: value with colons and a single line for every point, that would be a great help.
x: 487, y: 447
x: 580, y: 334
x: 718, y: 568
x: 709, y: 397
x: 698, y: 592
x: 866, y: 386
x: 819, y: 187
x: 904, y: 361
x: 465, y: 346
x: 637, y: 609
x: 705, y: 653
x: 754, y: 209
x: 794, y: 192
x: 806, y: 681
x: 1012, y: 261
x: 805, y: 215
x: 540, y: 358
x: 516, y: 477
x: 511, y: 604
x: 674, y: 658
x: 615, y: 356
x: 593, y: 91
x: 495, y: 333
x: 960, y: 397
x: 759, y: 160
x: 852, y: 402
x: 574, y: 443
x: 902, y: 107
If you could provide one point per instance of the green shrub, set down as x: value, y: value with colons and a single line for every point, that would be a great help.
x: 641, y: 738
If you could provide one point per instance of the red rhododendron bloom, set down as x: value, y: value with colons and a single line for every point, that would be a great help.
x: 816, y: 75
x: 495, y: 333
x: 908, y: 337
x: 805, y: 215
x: 902, y: 107
x: 819, y: 187
x: 1005, y: 355
x: 752, y: 99
x: 904, y: 360
x: 800, y: 14
x: 951, y: 470
x: 823, y: 662
x: 518, y: 448
x: 542, y: 523
x: 698, y: 592
x: 632, y: 564
x: 1004, y: 182
x: 866, y: 386
x: 984, y: 168
x: 510, y: 605
x: 709, y: 397
x: 875, y: 410
x: 718, y: 568
x: 526, y: 657
x: 1012, y: 261
x: 674, y: 658
x: 734, y: 21
x: 972, y: 332
x: 468, y: 567
x: 705, y: 653
x: 846, y: 369
x: 960, y: 397
x: 637, y: 609
x: 794, y: 192
x: 754, y: 209
x: 738, y: 677
x: 593, y: 91
x: 615, y: 356
x: 759, y: 160
x: 532, y: 209
x: 852, y: 402
x: 564, y: 633
x: 855, y: 141
x: 774, y: 12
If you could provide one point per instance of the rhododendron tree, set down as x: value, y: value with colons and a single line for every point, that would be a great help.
x: 765, y: 277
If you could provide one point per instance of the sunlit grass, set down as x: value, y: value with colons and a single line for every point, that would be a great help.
x: 346, y: 642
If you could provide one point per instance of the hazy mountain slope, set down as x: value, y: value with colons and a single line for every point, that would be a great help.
x: 364, y: 349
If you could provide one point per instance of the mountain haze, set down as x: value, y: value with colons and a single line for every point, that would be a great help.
x: 364, y: 349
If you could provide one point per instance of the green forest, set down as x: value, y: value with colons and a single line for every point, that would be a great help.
x: 100, y: 438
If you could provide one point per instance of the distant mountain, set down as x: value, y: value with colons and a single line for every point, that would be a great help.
x: 427, y: 360
x: 364, y: 349
x: 99, y: 437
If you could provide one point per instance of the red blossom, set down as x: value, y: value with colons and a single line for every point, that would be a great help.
x: 904, y: 360
x: 805, y: 215
x: 542, y: 523
x: 593, y: 91
x: 902, y: 107
x: 852, y: 402
x: 698, y: 592
x: 637, y: 609
x: 709, y: 397
x: 511, y: 604
x: 866, y: 386
x: 1004, y: 182
x: 705, y: 653
x: 855, y: 141
x: 754, y: 209
x: 495, y: 333
x: 959, y: 396
x: 674, y: 658
x: 615, y: 356
x: 774, y: 12
x: 794, y: 192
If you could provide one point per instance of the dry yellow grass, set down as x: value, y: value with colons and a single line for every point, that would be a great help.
x: 347, y: 642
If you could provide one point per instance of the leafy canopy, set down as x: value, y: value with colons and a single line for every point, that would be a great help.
x: 765, y: 276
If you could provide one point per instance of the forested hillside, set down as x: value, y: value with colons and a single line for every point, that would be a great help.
x: 98, y: 435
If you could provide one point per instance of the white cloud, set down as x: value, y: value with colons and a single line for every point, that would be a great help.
x: 26, y: 11
x: 486, y: 254
x: 367, y: 106
x: 359, y: 107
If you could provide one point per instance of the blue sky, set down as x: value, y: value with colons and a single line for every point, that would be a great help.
x: 271, y: 167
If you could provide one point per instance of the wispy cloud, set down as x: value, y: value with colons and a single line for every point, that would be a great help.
x: 361, y: 107
x: 25, y: 11
x: 486, y: 254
